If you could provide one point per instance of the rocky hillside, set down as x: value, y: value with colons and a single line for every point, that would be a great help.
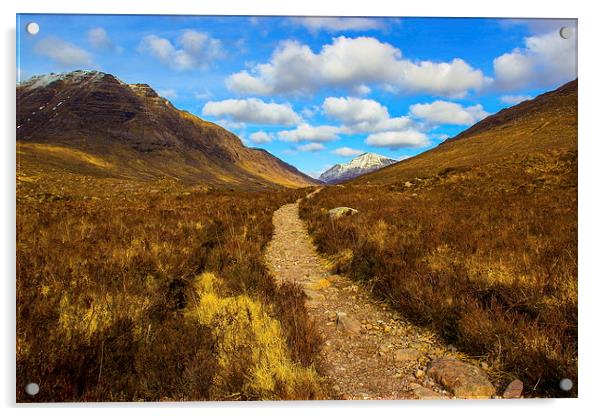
x: 89, y: 122
x: 547, y: 122
x: 364, y: 163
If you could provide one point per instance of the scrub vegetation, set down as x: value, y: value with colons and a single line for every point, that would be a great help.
x: 133, y: 291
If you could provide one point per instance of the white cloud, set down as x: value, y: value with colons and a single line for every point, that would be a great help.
x: 347, y: 152
x: 354, y: 110
x: 397, y: 139
x: 196, y: 50
x: 311, y: 147
x: 64, y: 53
x: 514, y: 99
x: 260, y: 137
x: 168, y: 93
x: 354, y: 64
x: 363, y: 115
x: 513, y: 69
x: 545, y: 60
x: 445, y: 112
x: 306, y: 132
x: 252, y: 110
x: 338, y: 24
x: 99, y: 39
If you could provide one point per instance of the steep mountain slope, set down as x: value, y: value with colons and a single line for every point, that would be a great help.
x: 547, y: 122
x: 364, y: 163
x: 89, y: 122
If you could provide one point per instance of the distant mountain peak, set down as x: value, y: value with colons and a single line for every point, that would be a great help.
x: 362, y: 164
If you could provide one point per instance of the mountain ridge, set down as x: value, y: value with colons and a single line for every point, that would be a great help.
x: 137, y: 132
x: 545, y: 123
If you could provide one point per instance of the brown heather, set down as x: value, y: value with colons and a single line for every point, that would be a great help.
x: 107, y: 294
x: 476, y: 238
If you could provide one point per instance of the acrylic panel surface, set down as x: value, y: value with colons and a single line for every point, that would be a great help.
x: 277, y: 208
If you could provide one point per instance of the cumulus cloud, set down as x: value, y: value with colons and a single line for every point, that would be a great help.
x: 193, y: 50
x: 445, y: 112
x: 514, y: 99
x: 351, y: 110
x: 338, y: 24
x: 252, y: 110
x: 99, y: 39
x: 64, y: 53
x: 354, y: 64
x: 347, y: 151
x: 397, y: 139
x: 260, y: 137
x: 545, y: 60
x: 311, y: 147
x: 306, y: 132
x: 363, y: 115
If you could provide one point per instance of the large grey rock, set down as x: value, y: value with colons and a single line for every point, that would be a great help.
x: 347, y: 324
x: 464, y: 380
x: 339, y: 212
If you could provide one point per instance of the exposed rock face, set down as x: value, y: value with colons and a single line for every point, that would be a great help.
x: 463, y: 380
x: 142, y: 134
x: 364, y: 163
x: 341, y: 212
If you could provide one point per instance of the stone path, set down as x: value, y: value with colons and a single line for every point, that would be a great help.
x: 369, y: 351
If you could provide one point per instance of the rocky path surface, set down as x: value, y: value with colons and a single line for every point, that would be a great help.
x: 369, y: 351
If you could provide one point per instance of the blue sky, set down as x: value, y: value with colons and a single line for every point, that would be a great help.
x: 316, y: 91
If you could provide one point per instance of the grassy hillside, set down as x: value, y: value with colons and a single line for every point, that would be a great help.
x: 548, y: 122
x: 476, y: 238
x: 154, y: 291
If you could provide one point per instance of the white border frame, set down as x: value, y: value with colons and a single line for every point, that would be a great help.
x: 589, y: 190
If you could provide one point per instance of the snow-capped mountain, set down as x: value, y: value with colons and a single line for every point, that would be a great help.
x: 364, y: 163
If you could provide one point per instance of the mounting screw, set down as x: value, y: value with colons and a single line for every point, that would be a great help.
x: 32, y: 389
x: 32, y: 28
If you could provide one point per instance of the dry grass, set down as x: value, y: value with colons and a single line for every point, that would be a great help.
x: 106, y: 273
x: 486, y: 254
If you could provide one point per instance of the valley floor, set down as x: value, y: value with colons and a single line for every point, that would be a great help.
x: 369, y: 351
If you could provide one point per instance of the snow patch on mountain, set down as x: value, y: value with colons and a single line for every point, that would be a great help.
x: 40, y: 81
x: 364, y: 163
